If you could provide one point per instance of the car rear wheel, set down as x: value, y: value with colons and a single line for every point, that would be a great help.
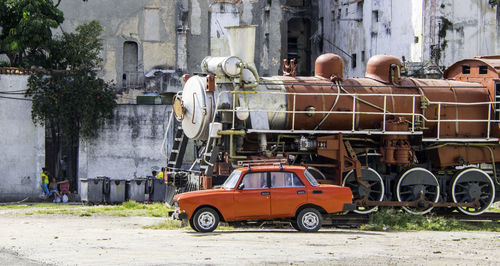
x: 309, y: 220
x: 206, y: 220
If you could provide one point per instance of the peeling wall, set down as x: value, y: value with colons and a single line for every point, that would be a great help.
x: 22, y: 145
x: 425, y: 32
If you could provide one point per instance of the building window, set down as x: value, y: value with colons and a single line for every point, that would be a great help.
x: 362, y: 56
x: 375, y: 15
x: 353, y: 61
x: 465, y: 69
x: 483, y: 70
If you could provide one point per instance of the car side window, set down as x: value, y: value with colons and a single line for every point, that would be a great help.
x: 285, y: 179
x: 255, y: 180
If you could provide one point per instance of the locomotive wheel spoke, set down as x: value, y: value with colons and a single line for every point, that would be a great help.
x: 416, y: 181
x: 374, y: 192
x: 471, y: 184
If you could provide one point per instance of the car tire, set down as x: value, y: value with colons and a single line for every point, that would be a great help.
x: 192, y: 224
x: 206, y: 220
x: 295, y: 225
x: 309, y: 220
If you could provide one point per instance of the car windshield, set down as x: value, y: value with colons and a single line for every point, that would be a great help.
x: 311, y: 179
x: 232, y: 180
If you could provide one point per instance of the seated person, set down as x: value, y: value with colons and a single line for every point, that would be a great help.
x: 53, y: 188
x: 64, y: 187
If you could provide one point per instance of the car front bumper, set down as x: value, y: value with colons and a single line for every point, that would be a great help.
x: 349, y: 207
x: 179, y: 215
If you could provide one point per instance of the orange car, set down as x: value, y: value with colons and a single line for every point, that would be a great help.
x: 264, y: 193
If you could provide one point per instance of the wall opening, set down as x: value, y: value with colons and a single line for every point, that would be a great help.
x: 131, y: 76
x: 375, y: 16
x: 353, y: 60
x: 483, y: 70
x: 298, y: 44
x: 465, y: 69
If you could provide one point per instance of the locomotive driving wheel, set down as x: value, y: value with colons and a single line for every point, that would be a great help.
x: 473, y: 184
x: 415, y: 184
x: 374, y: 192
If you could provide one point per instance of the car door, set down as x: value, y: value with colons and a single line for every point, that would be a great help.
x: 253, y: 201
x: 287, y: 194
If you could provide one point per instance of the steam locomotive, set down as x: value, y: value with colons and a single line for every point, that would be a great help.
x: 395, y: 141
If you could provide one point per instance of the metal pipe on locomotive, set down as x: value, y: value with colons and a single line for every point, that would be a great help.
x: 395, y: 141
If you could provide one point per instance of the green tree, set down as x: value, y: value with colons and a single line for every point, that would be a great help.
x: 26, y: 29
x: 71, y: 100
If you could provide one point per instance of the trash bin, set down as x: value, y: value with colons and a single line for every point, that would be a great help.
x: 91, y: 190
x: 157, y: 190
x: 136, y: 189
x: 116, y: 191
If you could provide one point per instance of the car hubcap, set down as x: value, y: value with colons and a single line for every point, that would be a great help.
x: 206, y: 220
x: 310, y: 220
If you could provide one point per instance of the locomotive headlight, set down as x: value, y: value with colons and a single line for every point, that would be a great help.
x: 178, y: 107
x: 231, y: 66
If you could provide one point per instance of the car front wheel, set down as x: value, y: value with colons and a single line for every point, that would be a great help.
x: 309, y: 220
x: 191, y: 224
x: 206, y: 220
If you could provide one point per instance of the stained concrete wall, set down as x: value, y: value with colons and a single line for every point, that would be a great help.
x: 149, y: 23
x: 128, y: 145
x: 22, y: 144
x: 408, y: 28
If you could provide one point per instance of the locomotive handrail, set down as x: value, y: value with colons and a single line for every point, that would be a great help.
x: 357, y: 97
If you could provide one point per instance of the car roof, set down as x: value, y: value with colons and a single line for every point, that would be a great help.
x: 273, y: 168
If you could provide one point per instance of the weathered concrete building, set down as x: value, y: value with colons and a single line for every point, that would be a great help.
x: 22, y: 144
x: 149, y: 44
x: 427, y: 33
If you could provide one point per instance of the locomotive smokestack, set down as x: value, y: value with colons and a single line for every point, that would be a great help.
x: 242, y: 42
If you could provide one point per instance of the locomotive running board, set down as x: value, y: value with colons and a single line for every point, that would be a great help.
x: 334, y: 132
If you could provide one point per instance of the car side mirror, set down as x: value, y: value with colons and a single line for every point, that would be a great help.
x: 241, y: 186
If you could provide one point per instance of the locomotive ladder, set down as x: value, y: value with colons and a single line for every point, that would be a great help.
x: 178, y: 148
x: 207, y: 166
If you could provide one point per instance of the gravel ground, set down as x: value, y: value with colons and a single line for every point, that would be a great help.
x: 72, y: 240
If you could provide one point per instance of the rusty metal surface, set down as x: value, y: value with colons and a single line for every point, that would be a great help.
x: 452, y: 155
x: 329, y: 66
x: 378, y: 67
x: 455, y: 91
x: 433, y: 90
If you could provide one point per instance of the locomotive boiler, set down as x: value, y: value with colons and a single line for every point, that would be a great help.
x: 395, y: 141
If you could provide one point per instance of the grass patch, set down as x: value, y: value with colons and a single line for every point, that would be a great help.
x: 392, y: 219
x: 166, y: 225
x: 129, y: 208
x: 494, y: 210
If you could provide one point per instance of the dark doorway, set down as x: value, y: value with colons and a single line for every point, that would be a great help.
x: 299, y: 44
x: 61, y: 155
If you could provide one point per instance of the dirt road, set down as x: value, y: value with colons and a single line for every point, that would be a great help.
x: 66, y: 239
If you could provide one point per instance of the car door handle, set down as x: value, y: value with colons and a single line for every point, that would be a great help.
x: 317, y: 191
x: 265, y: 193
x: 301, y: 192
